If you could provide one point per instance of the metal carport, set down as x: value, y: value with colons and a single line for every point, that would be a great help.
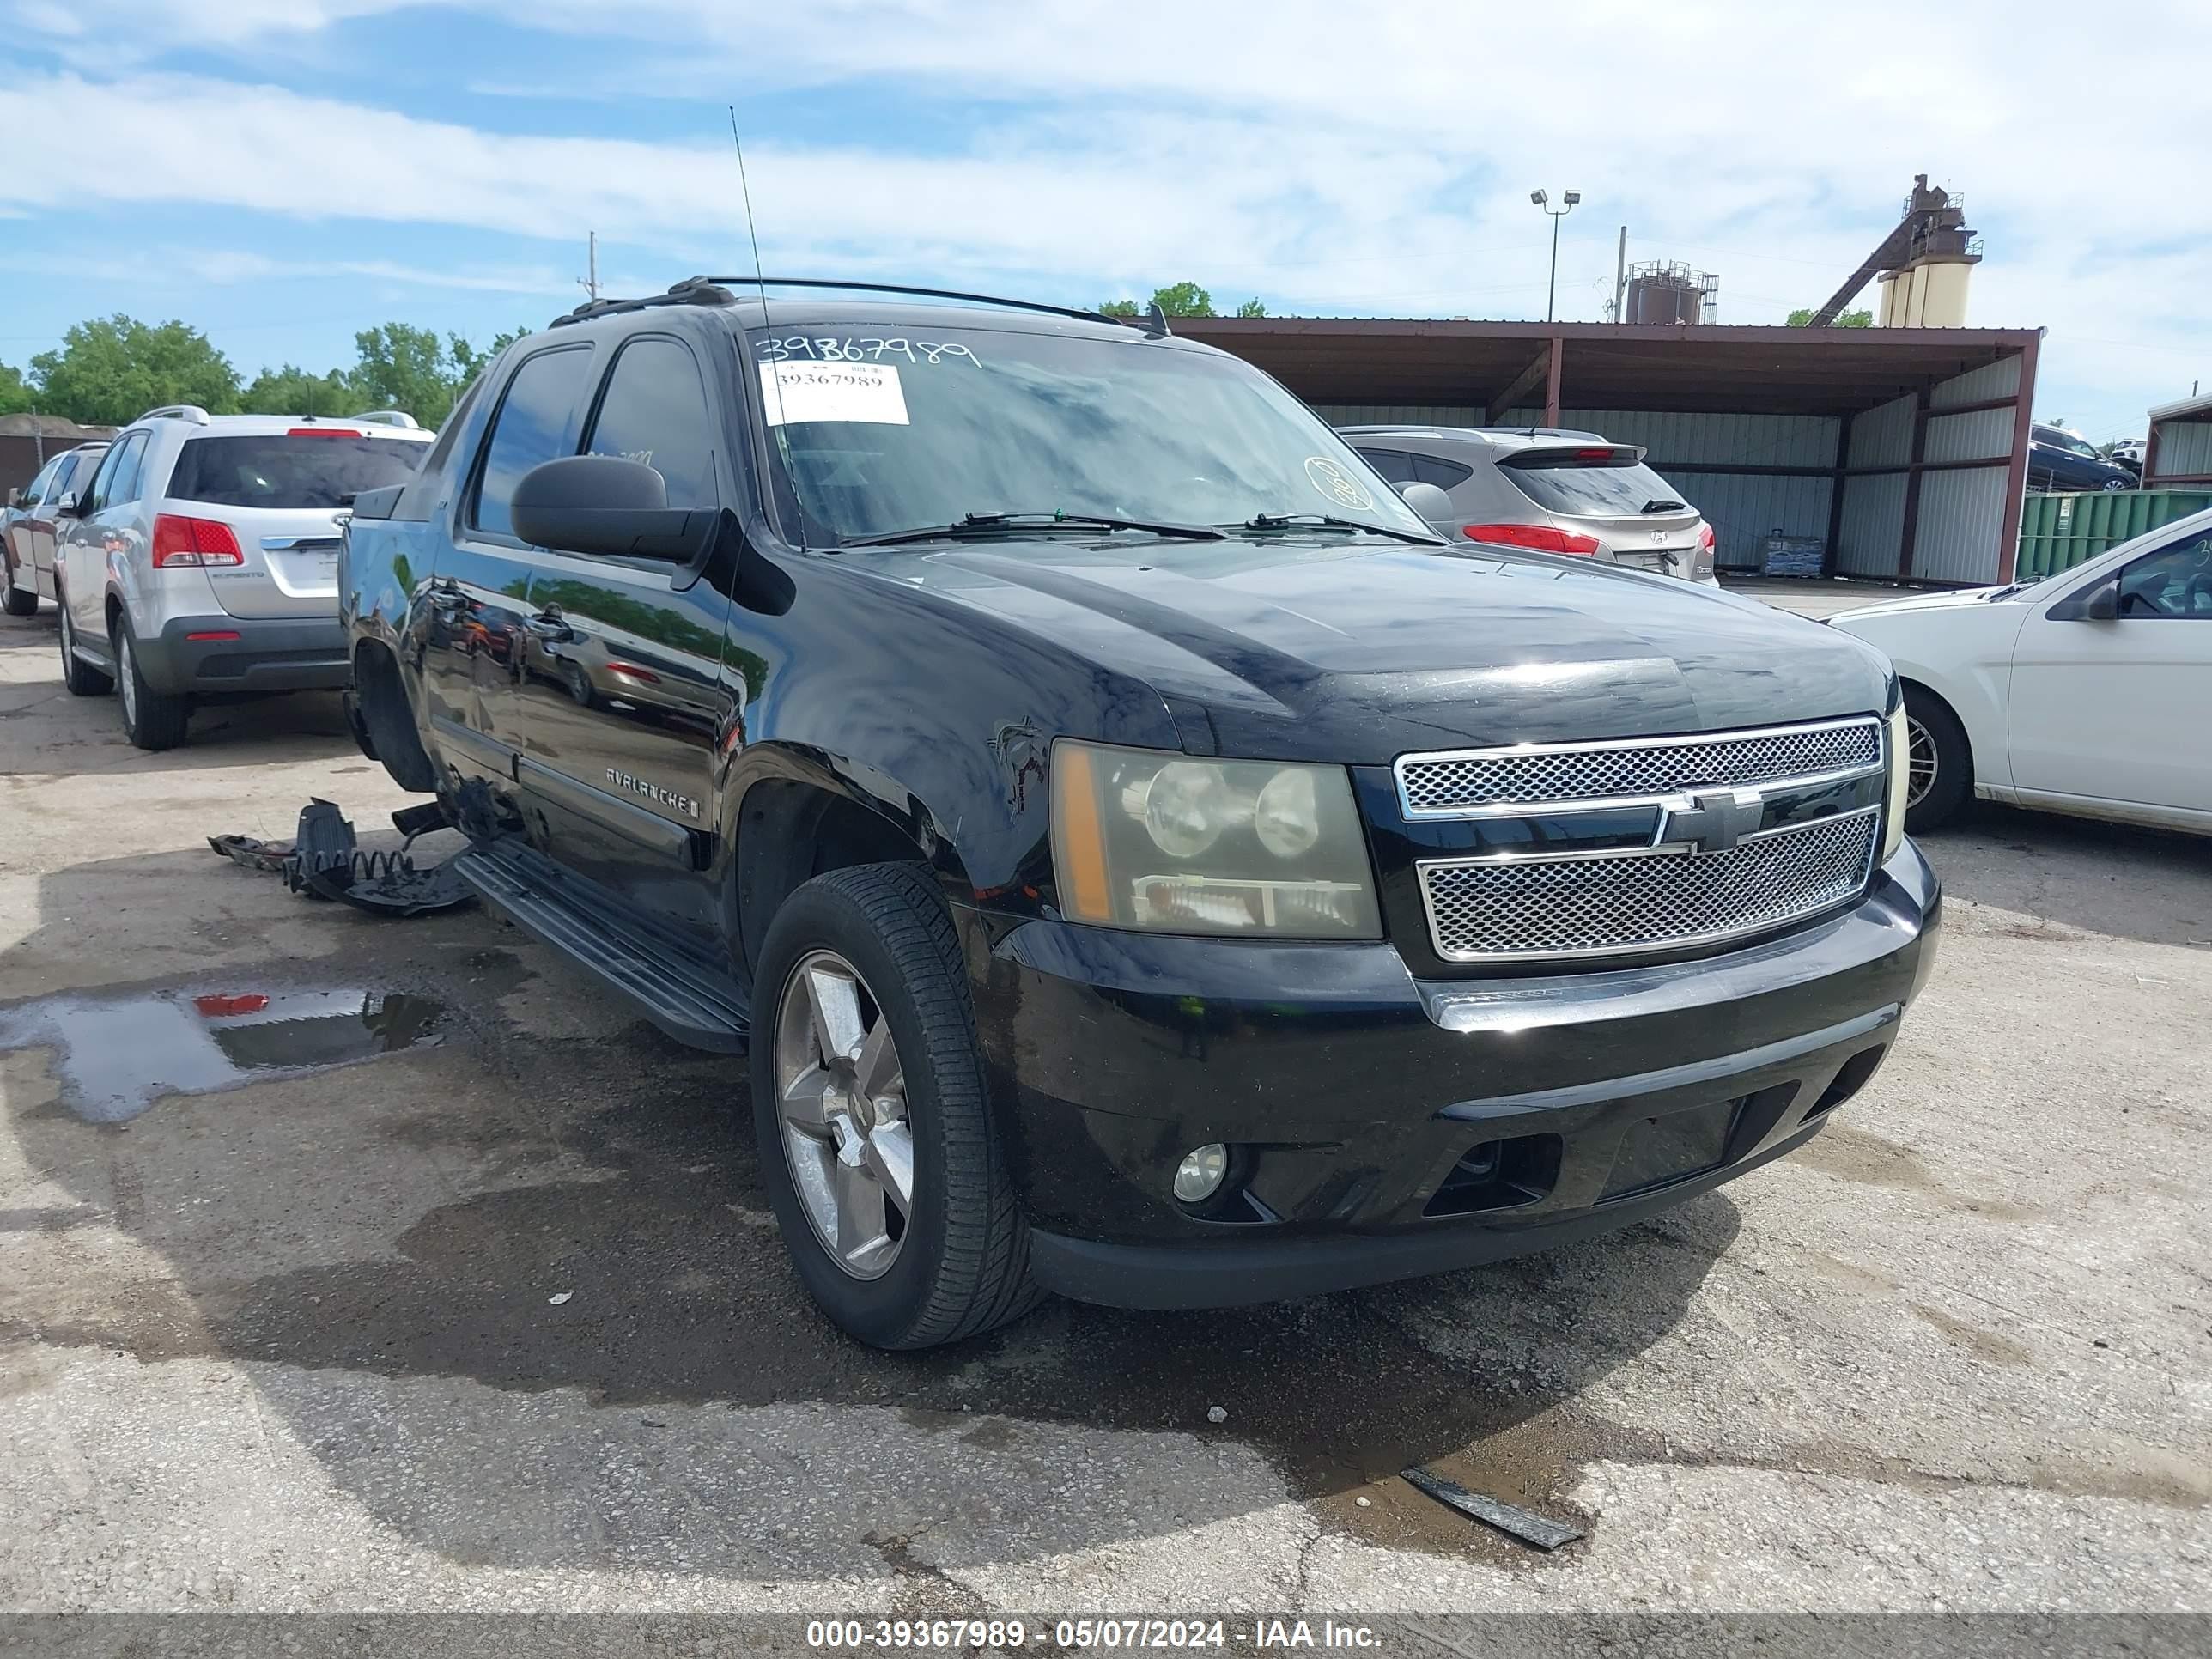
x: 1905, y: 450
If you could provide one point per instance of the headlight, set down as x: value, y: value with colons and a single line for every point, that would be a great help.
x: 1173, y: 845
x: 1900, y: 774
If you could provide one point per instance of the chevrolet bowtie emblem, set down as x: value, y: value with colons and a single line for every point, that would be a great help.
x: 1710, y: 820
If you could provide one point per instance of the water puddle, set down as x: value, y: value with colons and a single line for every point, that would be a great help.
x: 117, y: 1055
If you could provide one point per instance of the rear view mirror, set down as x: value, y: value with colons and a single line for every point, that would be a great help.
x: 1425, y: 499
x: 606, y: 506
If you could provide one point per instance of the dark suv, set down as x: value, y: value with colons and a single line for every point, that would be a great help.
x: 1144, y: 861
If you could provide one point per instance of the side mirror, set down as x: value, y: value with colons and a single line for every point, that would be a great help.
x: 1425, y: 499
x: 14, y: 494
x: 606, y: 506
x: 66, y: 507
x: 2099, y: 604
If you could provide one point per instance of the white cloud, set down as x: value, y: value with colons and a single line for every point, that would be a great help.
x: 1371, y: 158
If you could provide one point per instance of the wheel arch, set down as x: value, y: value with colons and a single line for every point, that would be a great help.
x: 796, y: 815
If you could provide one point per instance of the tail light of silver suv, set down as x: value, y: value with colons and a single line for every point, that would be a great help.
x: 179, y: 542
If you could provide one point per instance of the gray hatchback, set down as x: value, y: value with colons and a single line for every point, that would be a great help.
x: 1548, y: 489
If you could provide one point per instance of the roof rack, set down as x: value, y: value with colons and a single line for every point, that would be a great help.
x: 191, y: 412
x: 691, y: 291
x: 718, y: 291
x: 399, y: 417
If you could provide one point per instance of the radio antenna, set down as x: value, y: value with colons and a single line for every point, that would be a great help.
x: 774, y: 375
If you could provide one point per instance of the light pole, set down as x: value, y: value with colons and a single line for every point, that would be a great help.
x: 1550, y: 292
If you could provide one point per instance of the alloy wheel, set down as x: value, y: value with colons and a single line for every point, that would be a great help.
x: 842, y: 1104
x: 126, y: 679
x: 1921, y: 763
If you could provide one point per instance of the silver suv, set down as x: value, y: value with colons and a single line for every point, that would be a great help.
x: 200, y: 562
x: 1549, y: 489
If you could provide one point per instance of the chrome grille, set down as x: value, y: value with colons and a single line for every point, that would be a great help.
x: 1489, y: 781
x: 1566, y: 905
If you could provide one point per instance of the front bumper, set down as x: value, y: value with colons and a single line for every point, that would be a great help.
x: 1383, y: 1126
x: 245, y: 654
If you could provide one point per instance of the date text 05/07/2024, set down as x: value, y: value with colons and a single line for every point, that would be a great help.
x: 1088, y: 1635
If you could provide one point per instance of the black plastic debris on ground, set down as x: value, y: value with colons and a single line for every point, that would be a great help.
x: 324, y: 859
x: 1526, y: 1525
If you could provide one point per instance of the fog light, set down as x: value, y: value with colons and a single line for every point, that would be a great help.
x: 1200, y: 1173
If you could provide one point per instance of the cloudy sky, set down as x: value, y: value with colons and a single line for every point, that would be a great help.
x: 281, y: 172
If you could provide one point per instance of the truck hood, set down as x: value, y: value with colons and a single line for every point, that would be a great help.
x: 1360, y: 652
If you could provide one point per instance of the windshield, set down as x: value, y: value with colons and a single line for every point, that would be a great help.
x: 892, y: 430
x: 291, y: 470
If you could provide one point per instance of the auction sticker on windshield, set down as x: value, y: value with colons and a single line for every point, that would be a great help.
x: 1333, y: 482
x: 864, y: 393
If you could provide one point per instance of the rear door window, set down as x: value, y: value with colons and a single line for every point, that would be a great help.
x: 309, y: 468
x: 1444, y: 475
x: 1591, y: 492
x: 536, y: 421
x: 1394, y: 464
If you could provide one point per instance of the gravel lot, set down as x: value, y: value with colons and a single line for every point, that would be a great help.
x: 501, y: 1321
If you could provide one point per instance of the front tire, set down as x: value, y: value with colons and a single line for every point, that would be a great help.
x: 877, y: 1141
x: 1939, y: 769
x: 154, y: 720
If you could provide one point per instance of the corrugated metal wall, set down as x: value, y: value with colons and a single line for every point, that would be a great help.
x: 1706, y: 440
x: 1883, y: 436
x: 2057, y: 532
x: 1873, y: 526
x: 1398, y: 414
x: 1960, y: 514
x: 1998, y: 380
x: 2184, y: 449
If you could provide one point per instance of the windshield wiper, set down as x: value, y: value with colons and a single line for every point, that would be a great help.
x: 1657, y: 506
x: 999, y: 524
x: 1326, y: 521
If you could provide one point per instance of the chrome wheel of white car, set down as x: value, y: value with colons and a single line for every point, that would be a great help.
x: 1922, y: 763
x: 841, y: 1103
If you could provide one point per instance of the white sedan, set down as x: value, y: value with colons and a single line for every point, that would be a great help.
x: 2088, y: 692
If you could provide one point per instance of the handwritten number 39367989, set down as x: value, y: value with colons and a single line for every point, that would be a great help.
x: 829, y: 349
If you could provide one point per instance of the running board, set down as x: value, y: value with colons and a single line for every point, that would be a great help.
x: 667, y: 981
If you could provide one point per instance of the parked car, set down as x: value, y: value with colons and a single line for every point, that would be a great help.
x: 1557, y: 491
x: 2058, y: 459
x: 1144, y: 861
x: 27, y: 528
x: 2129, y: 455
x: 200, y: 560
x: 2084, y: 693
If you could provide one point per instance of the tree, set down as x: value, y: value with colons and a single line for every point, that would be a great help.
x: 293, y: 391
x: 1176, y: 300
x: 1803, y: 316
x: 113, y: 369
x: 15, y: 393
x: 403, y: 367
x: 472, y: 362
x: 1183, y: 300
x: 1252, y: 307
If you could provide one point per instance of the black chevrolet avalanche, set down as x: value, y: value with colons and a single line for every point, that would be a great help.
x: 1141, y: 861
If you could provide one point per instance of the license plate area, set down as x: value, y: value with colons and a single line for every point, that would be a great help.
x: 1657, y: 1151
